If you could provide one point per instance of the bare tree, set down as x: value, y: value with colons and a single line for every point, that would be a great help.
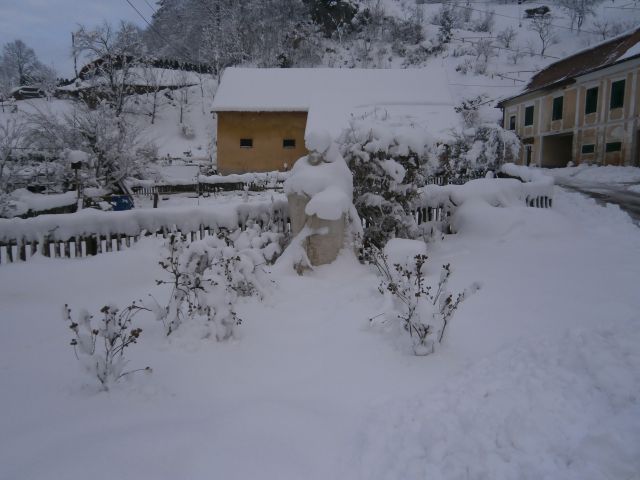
x: 112, y: 55
x: 483, y: 49
x: 182, y: 94
x: 602, y: 27
x: 578, y: 10
x: 20, y: 61
x: 154, y: 79
x: 506, y: 37
x: 544, y: 28
x: 516, y: 55
x: 11, y: 138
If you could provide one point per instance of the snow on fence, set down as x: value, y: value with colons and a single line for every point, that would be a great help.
x: 91, y: 232
x: 438, y: 202
x: 254, y: 182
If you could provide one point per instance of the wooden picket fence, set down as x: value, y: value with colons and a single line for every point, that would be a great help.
x: 89, y: 245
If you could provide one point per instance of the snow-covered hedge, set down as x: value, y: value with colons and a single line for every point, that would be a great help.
x: 22, y: 201
x: 499, y: 192
x: 133, y: 222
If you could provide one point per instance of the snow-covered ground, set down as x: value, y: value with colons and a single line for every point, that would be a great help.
x: 539, y: 375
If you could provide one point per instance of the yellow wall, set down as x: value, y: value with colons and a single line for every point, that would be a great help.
x: 599, y: 128
x: 267, y: 129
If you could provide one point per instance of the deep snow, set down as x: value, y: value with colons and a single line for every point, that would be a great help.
x: 538, y: 376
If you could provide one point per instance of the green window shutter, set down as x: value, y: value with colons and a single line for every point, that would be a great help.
x: 591, y: 104
x: 613, y: 147
x: 589, y: 148
x: 528, y: 116
x: 557, y: 108
x: 617, y: 94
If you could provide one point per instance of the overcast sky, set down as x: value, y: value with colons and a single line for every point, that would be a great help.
x: 46, y: 25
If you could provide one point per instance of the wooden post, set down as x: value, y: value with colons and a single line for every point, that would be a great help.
x: 22, y: 250
x: 91, y: 244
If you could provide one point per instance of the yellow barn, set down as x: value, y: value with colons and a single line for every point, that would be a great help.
x: 264, y: 114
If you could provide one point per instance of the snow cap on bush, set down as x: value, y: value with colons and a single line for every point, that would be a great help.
x: 324, y: 177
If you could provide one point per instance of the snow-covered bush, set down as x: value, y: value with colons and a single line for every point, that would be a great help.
x: 187, y: 131
x: 485, y: 22
x: 101, y: 345
x: 468, y: 109
x: 424, y: 308
x: 476, y: 150
x: 208, y: 276
x: 466, y: 66
x: 388, y: 168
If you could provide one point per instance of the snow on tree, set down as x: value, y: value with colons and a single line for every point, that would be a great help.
x: 19, y: 65
x: 112, y: 54
x: 388, y: 169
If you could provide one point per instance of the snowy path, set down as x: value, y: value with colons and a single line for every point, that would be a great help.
x: 539, y: 377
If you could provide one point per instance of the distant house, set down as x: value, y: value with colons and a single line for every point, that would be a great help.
x: 141, y: 77
x: 264, y: 114
x: 27, y: 92
x: 583, y: 108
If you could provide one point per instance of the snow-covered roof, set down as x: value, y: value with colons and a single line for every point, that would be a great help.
x: 332, y: 95
x: 141, y: 77
x: 595, y: 57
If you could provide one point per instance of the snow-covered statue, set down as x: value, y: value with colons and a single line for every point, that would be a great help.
x: 320, y: 196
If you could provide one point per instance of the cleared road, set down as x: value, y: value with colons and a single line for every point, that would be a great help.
x: 618, y: 194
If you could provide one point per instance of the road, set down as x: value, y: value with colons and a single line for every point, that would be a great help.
x: 616, y: 193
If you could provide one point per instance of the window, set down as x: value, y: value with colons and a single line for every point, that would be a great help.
x: 588, y: 148
x: 528, y: 116
x: 556, y: 114
x: 591, y: 104
x: 617, y: 94
x: 246, y: 143
x: 512, y: 122
x: 289, y: 143
x: 613, y: 147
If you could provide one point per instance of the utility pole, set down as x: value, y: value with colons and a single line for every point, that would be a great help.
x: 75, y: 56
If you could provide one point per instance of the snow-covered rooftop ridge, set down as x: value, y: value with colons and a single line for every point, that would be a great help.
x: 332, y: 96
x: 299, y: 89
x: 140, y: 76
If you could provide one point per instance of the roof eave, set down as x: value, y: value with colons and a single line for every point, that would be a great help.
x: 565, y: 81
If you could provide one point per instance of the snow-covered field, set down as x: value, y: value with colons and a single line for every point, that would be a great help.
x: 539, y: 375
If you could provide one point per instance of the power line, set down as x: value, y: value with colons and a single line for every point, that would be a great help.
x: 505, y: 48
x: 150, y: 7
x: 185, y: 52
x: 519, y: 19
x: 479, y: 85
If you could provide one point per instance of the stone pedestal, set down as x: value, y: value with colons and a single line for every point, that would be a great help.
x: 321, y: 248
